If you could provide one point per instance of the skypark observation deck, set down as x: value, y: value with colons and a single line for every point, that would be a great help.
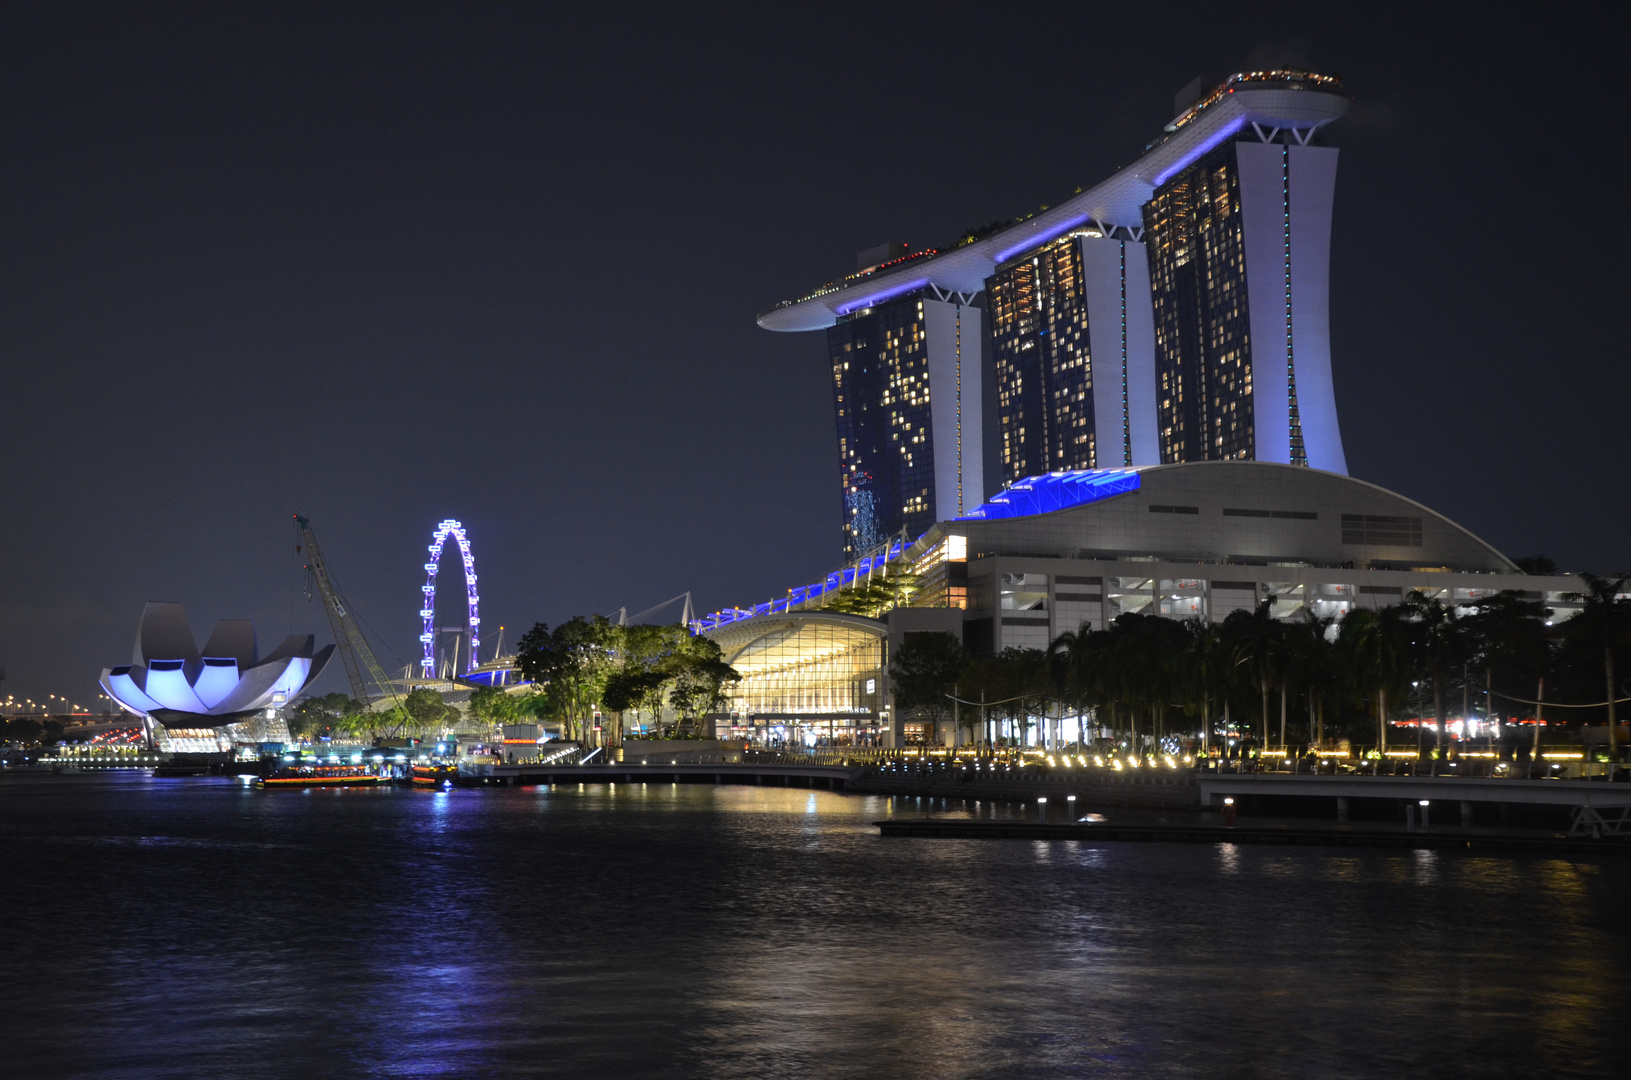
x: 1275, y: 101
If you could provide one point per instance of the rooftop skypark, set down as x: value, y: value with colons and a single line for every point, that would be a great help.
x: 1286, y: 99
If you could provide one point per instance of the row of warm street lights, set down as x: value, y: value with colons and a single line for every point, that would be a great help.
x: 53, y: 705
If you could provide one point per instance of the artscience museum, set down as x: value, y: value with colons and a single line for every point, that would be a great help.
x: 203, y: 701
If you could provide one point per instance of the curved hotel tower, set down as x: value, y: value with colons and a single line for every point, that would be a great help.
x: 1175, y: 312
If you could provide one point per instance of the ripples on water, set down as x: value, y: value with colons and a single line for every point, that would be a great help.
x: 190, y: 928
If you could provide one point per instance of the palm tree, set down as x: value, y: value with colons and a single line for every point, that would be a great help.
x: 1073, y: 667
x: 1372, y: 650
x: 1604, y: 623
x: 1255, y: 641
x: 1507, y: 640
x: 1137, y: 668
x: 1439, y: 644
x: 1309, y: 656
x: 1203, y: 672
x: 1164, y: 642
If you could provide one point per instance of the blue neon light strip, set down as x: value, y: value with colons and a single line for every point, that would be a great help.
x: 1055, y: 491
x: 1207, y: 145
x: 887, y: 294
x: 838, y: 579
x: 1033, y: 495
x: 1042, y: 238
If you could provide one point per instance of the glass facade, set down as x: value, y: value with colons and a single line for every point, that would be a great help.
x: 1037, y: 309
x: 1203, y: 360
x: 880, y: 368
x: 806, y: 679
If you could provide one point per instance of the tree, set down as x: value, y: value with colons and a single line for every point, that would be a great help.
x: 50, y: 732
x: 646, y: 669
x: 1602, y: 629
x: 1311, y: 666
x: 366, y: 724
x: 1507, y: 640
x: 572, y: 663
x: 313, y: 717
x: 427, y: 711
x: 1371, y: 646
x: 492, y: 706
x: 23, y: 729
x: 698, y: 676
x: 631, y: 687
x: 533, y: 706
x: 1256, y: 642
x: 1148, y: 651
x: 1438, y: 645
x: 1078, y: 668
x: 1203, y: 671
x: 1016, y: 683
x: 923, y: 671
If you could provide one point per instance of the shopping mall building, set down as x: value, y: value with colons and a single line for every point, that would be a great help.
x: 1058, y: 552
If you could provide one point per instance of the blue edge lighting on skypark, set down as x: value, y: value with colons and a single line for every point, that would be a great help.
x: 1033, y: 495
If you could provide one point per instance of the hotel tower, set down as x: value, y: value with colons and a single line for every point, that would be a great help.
x: 1175, y: 312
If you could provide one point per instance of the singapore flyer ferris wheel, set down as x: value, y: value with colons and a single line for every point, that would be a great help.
x: 427, y: 637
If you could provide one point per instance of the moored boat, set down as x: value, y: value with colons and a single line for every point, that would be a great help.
x: 434, y: 776
x: 307, y: 776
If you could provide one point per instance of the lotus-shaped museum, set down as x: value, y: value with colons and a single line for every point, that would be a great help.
x: 169, y: 674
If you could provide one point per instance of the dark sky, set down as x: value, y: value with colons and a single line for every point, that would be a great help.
x: 384, y: 265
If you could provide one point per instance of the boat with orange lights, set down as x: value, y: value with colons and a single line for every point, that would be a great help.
x: 434, y: 776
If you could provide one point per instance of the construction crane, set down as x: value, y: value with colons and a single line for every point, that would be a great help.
x: 348, y: 640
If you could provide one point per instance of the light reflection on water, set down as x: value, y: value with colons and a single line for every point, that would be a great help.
x: 188, y: 928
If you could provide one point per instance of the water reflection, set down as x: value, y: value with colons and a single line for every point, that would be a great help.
x: 653, y: 930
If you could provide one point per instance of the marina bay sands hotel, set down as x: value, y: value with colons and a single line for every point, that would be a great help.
x: 1175, y: 312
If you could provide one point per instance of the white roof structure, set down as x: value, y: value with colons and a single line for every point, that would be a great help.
x: 168, y: 675
x: 1240, y: 512
x: 1273, y: 100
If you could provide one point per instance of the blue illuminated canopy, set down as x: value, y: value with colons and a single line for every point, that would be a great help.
x: 838, y: 579
x: 1033, y: 495
x: 1055, y: 491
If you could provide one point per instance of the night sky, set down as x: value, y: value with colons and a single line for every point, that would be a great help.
x: 386, y: 265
